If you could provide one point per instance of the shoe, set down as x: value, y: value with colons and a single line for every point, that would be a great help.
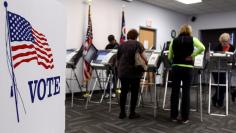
x: 86, y: 94
x: 185, y: 121
x: 174, y: 120
x: 113, y: 95
x: 134, y: 115
x: 122, y: 115
x: 106, y: 95
x: 118, y: 90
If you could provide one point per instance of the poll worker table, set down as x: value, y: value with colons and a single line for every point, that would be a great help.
x: 220, y: 63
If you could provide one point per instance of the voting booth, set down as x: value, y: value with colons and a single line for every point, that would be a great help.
x: 153, y: 58
x: 220, y: 63
x: 73, y: 57
x: 101, y: 61
x: 32, y: 66
x: 199, y: 66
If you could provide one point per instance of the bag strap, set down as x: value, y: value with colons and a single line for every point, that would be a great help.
x: 136, y: 50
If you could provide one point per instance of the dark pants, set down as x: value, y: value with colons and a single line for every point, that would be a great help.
x: 185, y: 75
x: 133, y: 85
x: 114, y: 80
x: 219, y: 78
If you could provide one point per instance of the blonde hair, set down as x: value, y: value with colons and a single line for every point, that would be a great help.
x: 186, y: 29
x: 225, y: 37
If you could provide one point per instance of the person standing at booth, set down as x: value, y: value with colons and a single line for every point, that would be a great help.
x: 181, y: 55
x: 128, y: 74
x: 224, y: 46
x: 112, y: 45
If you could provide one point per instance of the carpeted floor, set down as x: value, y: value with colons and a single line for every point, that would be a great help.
x: 97, y: 119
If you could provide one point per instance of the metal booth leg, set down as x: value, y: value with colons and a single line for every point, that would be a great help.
x: 165, y: 91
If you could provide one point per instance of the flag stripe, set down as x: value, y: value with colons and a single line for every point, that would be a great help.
x: 39, y: 38
x: 24, y: 46
x: 38, y: 44
x: 43, y: 43
x: 89, y: 40
x: 31, y: 47
x: 32, y: 53
x: 39, y: 63
x: 40, y: 34
x: 87, y: 72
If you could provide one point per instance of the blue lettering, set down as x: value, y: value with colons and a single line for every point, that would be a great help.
x: 32, y: 91
x: 43, y: 86
x: 49, y: 83
x: 57, y: 85
x: 43, y: 89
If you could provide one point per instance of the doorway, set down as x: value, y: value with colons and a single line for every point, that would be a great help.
x: 147, y: 36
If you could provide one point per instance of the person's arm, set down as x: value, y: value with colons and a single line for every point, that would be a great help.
x: 170, y: 53
x: 200, y: 47
x: 144, y: 57
x: 142, y: 53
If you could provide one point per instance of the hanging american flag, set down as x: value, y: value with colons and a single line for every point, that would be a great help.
x: 27, y: 44
x: 123, y: 29
x: 89, y: 40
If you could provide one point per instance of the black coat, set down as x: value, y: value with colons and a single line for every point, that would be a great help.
x: 126, y: 59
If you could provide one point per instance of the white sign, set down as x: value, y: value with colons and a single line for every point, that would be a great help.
x: 198, y: 62
x: 32, y: 66
x: 145, y: 44
x: 149, y: 23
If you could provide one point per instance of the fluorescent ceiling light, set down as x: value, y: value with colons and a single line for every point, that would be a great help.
x: 189, y: 1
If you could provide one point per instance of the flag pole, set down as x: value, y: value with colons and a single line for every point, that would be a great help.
x: 88, y: 41
x: 13, y: 87
x: 123, y: 29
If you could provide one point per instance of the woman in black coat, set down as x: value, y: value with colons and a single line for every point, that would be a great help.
x: 128, y: 74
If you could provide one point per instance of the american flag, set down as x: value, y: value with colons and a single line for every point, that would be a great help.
x: 27, y: 44
x: 123, y: 29
x: 89, y: 40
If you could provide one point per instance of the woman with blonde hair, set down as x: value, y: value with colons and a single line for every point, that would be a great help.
x: 224, y: 46
x: 181, y: 55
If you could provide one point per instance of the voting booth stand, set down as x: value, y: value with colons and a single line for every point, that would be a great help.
x: 145, y: 83
x: 103, y: 73
x: 73, y: 57
x: 220, y: 63
x: 103, y: 61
